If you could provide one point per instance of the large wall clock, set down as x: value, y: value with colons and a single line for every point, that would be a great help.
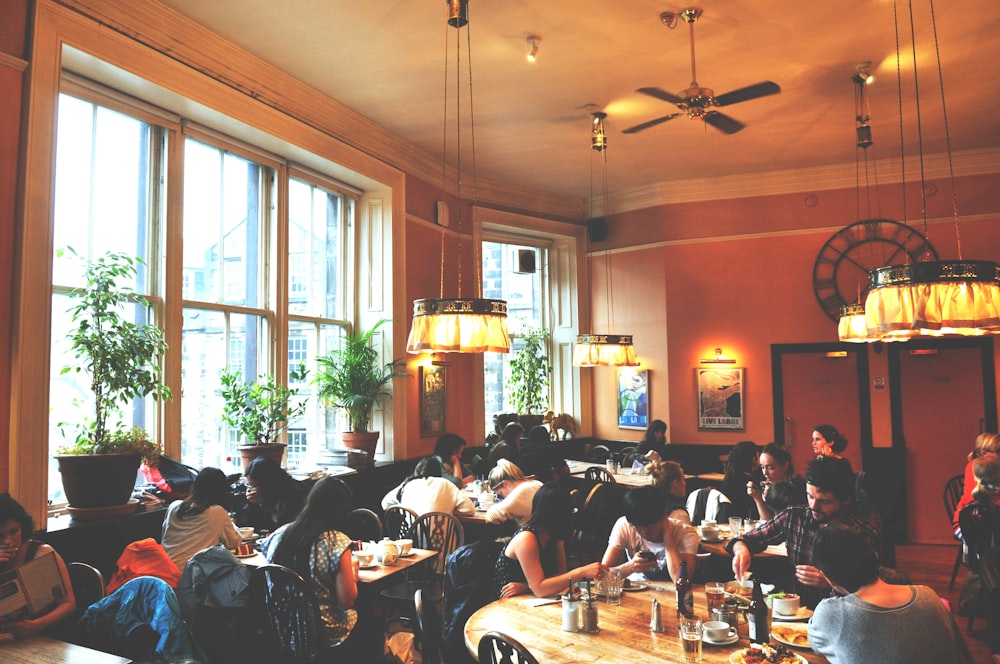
x: 840, y: 275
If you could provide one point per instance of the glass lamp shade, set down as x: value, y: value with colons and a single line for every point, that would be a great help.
x: 853, y: 327
x: 934, y: 299
x: 459, y: 325
x: 604, y: 350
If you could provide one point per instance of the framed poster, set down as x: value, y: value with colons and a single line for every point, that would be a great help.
x: 432, y: 401
x: 633, y: 398
x: 720, y: 399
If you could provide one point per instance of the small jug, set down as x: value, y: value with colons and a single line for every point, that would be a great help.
x: 387, y: 551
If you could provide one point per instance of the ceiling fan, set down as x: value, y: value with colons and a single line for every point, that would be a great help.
x: 697, y: 102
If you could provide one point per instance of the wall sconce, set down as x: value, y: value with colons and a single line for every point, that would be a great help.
x: 533, y: 41
x: 718, y: 359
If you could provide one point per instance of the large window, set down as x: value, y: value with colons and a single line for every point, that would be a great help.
x: 244, y: 305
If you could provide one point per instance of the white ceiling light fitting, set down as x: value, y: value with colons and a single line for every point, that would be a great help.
x: 533, y: 41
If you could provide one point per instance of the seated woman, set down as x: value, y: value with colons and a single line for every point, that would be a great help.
x: 535, y: 558
x: 201, y: 520
x: 654, y: 442
x: 507, y: 447
x: 315, y: 546
x: 741, y: 467
x: 516, y: 491
x: 872, y: 621
x: 273, y: 497
x: 448, y: 449
x: 776, y: 465
x: 425, y: 490
x: 16, y: 548
x: 987, y: 445
x: 827, y: 441
x: 668, y: 477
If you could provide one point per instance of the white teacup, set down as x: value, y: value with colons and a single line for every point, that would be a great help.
x: 710, y: 523
x: 710, y: 532
x: 404, y: 546
x: 787, y: 605
x: 716, y: 630
x: 246, y: 532
x: 365, y: 558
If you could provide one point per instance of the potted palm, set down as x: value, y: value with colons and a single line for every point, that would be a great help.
x: 529, y: 377
x: 121, y: 360
x: 353, y: 377
x: 260, y: 410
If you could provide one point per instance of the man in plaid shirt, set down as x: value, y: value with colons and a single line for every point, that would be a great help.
x: 830, y: 491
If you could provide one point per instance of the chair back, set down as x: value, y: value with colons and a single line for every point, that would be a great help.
x: 428, y: 627
x: 88, y: 584
x: 397, y: 521
x: 598, y: 454
x: 599, y: 474
x: 285, y: 614
x: 498, y: 648
x: 953, y: 489
x: 364, y: 524
x: 439, y: 531
x: 980, y: 524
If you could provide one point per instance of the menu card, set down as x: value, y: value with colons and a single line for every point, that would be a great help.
x: 30, y: 590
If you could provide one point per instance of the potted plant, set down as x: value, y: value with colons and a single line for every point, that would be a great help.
x: 529, y: 377
x: 121, y: 360
x: 353, y: 377
x: 260, y: 410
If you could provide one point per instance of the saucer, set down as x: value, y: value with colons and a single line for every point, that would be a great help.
x: 407, y: 554
x: 733, y: 638
x: 368, y: 566
x: 245, y: 555
x: 804, y: 613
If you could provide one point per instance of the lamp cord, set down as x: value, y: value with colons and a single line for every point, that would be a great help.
x: 899, y: 88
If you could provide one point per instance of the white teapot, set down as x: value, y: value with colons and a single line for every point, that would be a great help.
x: 386, y: 551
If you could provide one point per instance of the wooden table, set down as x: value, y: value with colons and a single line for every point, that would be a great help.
x: 624, y: 635
x: 44, y: 650
x: 372, y: 575
x: 719, y: 547
x: 623, y: 477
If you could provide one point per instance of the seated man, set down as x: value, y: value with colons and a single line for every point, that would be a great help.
x: 647, y: 529
x: 873, y: 621
x: 829, y: 490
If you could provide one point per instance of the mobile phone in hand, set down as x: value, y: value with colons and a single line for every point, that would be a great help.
x: 647, y: 555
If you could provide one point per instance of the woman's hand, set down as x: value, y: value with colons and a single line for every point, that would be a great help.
x: 591, y: 571
x: 22, y: 629
x: 253, y: 496
x: 753, y: 490
x: 7, y: 553
x: 513, y: 589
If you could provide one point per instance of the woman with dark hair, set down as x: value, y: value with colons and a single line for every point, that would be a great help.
x: 17, y: 548
x: 316, y: 547
x: 654, y: 440
x: 776, y: 466
x: 535, y: 558
x: 274, y: 497
x: 827, y: 441
x: 426, y: 491
x: 871, y: 620
x: 449, y: 448
x: 987, y: 445
x: 507, y: 447
x: 201, y: 520
x: 540, y: 458
x: 740, y: 469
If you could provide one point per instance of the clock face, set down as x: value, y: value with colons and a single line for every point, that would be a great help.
x: 840, y: 275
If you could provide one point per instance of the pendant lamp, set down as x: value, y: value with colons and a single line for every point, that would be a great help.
x: 603, y: 350
x: 935, y: 298
x: 459, y: 324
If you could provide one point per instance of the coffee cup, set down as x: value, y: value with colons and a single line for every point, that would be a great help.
x: 404, y: 546
x: 716, y: 630
x: 246, y: 532
x: 710, y: 532
x: 365, y: 558
x: 710, y: 523
x: 785, y: 605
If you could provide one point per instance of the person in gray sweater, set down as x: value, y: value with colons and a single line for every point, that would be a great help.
x: 871, y: 620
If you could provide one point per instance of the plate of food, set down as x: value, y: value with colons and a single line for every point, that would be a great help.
x: 804, y: 613
x: 794, y: 634
x: 766, y: 654
x: 630, y: 586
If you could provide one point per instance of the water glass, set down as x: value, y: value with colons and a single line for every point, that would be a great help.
x: 715, y: 592
x: 734, y: 526
x: 613, y: 587
x: 690, y: 632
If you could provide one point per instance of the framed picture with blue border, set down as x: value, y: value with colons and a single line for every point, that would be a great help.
x: 633, y: 398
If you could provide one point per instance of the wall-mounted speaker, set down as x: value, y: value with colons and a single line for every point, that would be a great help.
x: 597, y: 229
x: 525, y: 261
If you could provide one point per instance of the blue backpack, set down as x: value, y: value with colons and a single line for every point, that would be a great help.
x: 468, y: 586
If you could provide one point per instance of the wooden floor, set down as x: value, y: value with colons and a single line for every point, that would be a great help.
x: 931, y: 565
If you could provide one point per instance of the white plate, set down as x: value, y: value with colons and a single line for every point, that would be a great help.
x: 736, y: 659
x: 407, y: 554
x: 711, y: 541
x: 368, y: 566
x: 733, y: 638
x: 245, y: 555
x: 797, y: 626
x: 634, y: 587
x: 805, y: 613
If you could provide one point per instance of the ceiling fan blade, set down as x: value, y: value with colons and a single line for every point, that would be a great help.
x: 723, y: 123
x: 650, y: 123
x: 661, y: 94
x: 754, y: 91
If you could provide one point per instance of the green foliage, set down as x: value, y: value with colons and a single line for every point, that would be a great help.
x: 529, y: 373
x: 135, y: 440
x: 354, y: 378
x: 122, y: 359
x: 260, y: 410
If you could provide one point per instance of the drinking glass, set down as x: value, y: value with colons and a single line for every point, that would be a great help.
x: 734, y: 526
x: 613, y: 587
x: 690, y: 633
x: 715, y: 591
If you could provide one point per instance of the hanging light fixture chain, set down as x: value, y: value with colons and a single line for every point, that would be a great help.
x: 899, y: 86
x: 444, y: 157
x: 475, y: 170
x: 607, y: 251
x: 920, y: 126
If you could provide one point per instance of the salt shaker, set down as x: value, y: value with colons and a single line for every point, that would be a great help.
x: 570, y: 610
x: 656, y: 619
x: 590, y: 613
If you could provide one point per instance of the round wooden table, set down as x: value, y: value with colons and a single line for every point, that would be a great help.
x: 624, y: 635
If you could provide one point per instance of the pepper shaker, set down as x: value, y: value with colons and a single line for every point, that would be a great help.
x: 656, y: 618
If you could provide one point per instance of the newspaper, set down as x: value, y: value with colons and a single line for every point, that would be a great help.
x: 30, y: 590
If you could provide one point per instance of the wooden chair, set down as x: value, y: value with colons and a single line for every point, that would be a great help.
x: 599, y: 474
x: 980, y: 524
x: 953, y: 489
x: 88, y: 584
x: 428, y: 627
x: 498, y: 648
x: 397, y: 521
x: 598, y: 454
x: 286, y: 616
x: 364, y: 524
x: 438, y: 531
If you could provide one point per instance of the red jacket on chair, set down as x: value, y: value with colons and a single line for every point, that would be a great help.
x: 145, y: 557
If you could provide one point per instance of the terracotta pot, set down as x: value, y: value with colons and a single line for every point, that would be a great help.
x: 365, y: 441
x: 273, y: 451
x: 98, y: 480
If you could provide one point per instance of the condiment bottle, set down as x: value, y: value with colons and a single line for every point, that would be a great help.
x: 590, y: 612
x: 685, y: 592
x: 570, y: 610
x: 655, y: 617
x: 757, y: 616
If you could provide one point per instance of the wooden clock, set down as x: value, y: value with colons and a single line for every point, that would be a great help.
x: 840, y: 275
